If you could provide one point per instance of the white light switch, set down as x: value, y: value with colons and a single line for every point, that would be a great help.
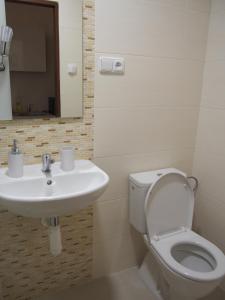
x: 72, y: 69
x: 111, y: 65
x: 105, y: 64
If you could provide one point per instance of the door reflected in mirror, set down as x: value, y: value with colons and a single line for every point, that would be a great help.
x: 45, y: 60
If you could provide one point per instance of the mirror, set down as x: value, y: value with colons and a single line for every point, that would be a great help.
x: 44, y: 66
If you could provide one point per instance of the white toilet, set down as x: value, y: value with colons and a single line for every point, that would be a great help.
x: 161, y: 206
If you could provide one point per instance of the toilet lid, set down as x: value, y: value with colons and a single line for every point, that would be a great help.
x: 169, y: 205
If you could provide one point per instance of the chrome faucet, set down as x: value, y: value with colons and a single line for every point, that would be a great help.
x: 46, y: 163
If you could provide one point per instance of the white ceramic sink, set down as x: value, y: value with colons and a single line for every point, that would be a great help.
x: 31, y: 196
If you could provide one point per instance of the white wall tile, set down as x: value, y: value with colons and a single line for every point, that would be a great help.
x: 209, y: 168
x: 199, y: 5
x: 216, y: 28
x: 213, y: 90
x: 216, y: 41
x: 217, y: 5
x: 113, y: 255
x: 122, y: 131
x: 173, y: 3
x: 119, y: 168
x: 216, y: 49
x: 71, y: 90
x: 146, y: 28
x: 210, y: 219
x: 70, y: 13
x: 70, y: 48
x: 150, y: 81
x: 211, y: 135
x: 110, y: 219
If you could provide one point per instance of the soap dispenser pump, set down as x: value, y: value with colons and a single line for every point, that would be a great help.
x: 15, y: 162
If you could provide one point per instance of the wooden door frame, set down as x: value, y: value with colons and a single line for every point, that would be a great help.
x: 55, y: 7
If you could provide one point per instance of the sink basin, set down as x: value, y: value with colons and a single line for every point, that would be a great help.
x: 67, y: 193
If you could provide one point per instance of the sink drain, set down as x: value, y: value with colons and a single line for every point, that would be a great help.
x: 49, y: 182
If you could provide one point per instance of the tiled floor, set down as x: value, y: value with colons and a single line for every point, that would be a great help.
x: 125, y: 285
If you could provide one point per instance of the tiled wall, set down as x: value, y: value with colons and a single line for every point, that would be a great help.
x: 147, y: 118
x: 27, y: 268
x: 209, y: 161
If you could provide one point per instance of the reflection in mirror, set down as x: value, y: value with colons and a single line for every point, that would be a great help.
x: 45, y: 60
x: 6, y: 34
x: 34, y: 60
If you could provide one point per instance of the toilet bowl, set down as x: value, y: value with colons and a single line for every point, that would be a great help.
x: 190, y: 265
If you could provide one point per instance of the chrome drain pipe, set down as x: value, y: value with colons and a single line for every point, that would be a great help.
x: 54, y: 233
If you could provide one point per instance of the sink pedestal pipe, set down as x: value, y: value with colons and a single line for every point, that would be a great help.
x: 54, y: 232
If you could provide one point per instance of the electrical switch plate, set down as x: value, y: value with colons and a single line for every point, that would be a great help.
x: 111, y: 65
x: 72, y: 69
x: 105, y: 65
x: 118, y: 66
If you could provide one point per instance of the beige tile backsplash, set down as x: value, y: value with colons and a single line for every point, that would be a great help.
x: 27, y: 268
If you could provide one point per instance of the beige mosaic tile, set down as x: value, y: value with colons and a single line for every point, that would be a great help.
x: 27, y: 269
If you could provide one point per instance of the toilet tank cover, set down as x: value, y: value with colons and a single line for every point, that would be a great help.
x: 169, y: 205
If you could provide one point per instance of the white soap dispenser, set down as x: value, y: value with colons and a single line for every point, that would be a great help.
x: 15, y: 162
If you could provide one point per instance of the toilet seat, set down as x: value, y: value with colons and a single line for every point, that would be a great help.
x: 169, y: 204
x: 163, y: 247
x: 169, y: 207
